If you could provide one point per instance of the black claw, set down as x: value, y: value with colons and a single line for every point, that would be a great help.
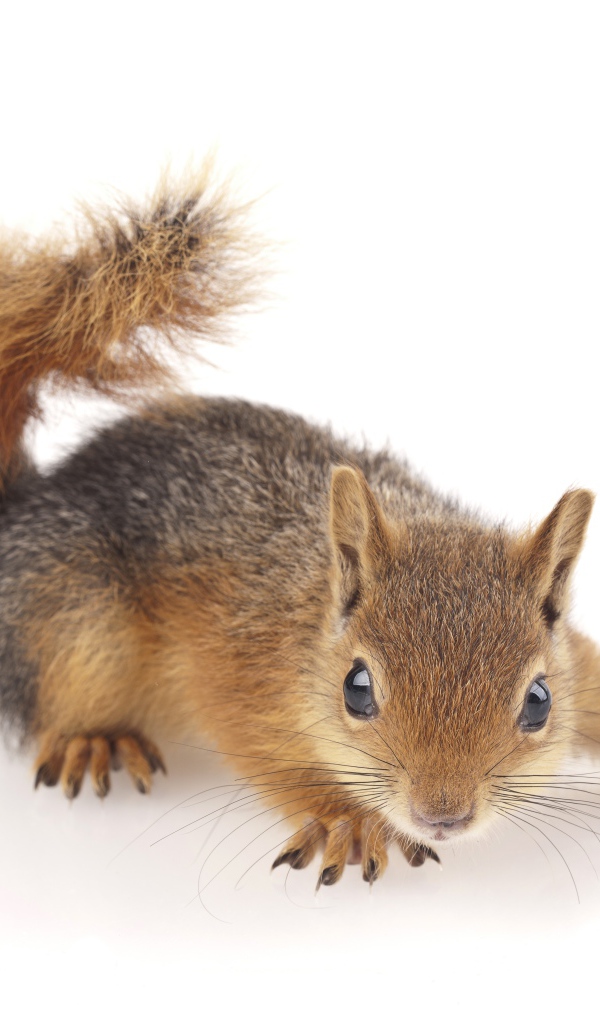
x: 46, y: 775
x: 371, y: 872
x: 329, y: 876
x: 141, y: 785
x: 155, y: 763
x: 291, y: 857
x: 421, y: 854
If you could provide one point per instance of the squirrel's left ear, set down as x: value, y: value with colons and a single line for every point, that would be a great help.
x: 358, y: 532
x: 550, y: 554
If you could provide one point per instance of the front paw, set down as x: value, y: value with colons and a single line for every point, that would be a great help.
x: 345, y: 840
x: 67, y: 760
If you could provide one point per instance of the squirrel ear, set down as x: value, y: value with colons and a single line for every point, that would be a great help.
x: 551, y: 553
x: 358, y: 531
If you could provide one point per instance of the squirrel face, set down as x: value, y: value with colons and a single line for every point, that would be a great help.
x: 453, y: 659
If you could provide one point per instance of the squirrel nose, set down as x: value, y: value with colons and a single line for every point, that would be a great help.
x: 447, y: 823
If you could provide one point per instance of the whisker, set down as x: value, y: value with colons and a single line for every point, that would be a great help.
x: 244, y: 801
x: 505, y: 756
x: 550, y: 775
x: 506, y: 814
x: 544, y: 817
x: 573, y: 693
x: 215, y: 823
x: 584, y: 735
x: 277, y: 846
x: 551, y: 798
x: 241, y: 789
x: 523, y: 803
x: 553, y: 844
x: 392, y: 752
x: 557, y: 805
x: 164, y: 814
x: 364, y: 773
x: 259, y: 836
x: 264, y: 757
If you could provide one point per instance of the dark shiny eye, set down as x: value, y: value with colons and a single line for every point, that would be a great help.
x: 536, y: 708
x: 358, y: 691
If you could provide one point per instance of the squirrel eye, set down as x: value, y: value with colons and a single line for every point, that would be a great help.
x: 358, y: 691
x: 536, y: 708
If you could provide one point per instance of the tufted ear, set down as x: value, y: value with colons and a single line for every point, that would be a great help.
x: 359, y: 533
x: 550, y: 554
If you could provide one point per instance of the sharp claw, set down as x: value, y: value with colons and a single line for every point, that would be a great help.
x: 141, y: 786
x: 421, y: 854
x: 291, y: 857
x: 44, y: 774
x: 156, y: 762
x: 328, y: 876
x: 371, y: 872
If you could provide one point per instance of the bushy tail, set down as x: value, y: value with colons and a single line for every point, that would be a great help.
x: 88, y: 313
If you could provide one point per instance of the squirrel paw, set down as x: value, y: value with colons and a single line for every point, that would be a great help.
x: 363, y: 843
x: 66, y: 761
x: 345, y: 842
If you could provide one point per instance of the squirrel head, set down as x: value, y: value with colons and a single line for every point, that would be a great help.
x: 451, y: 654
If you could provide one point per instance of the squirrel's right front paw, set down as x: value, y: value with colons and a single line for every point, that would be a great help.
x: 66, y: 761
x: 349, y: 842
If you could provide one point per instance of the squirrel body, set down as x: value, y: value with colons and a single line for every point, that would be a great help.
x: 383, y: 664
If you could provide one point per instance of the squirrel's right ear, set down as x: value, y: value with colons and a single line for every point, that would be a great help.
x: 358, y: 532
x: 551, y: 552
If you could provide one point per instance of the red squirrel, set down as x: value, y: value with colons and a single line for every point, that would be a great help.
x: 396, y: 669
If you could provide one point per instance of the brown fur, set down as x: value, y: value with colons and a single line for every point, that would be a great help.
x: 160, y: 658
x: 80, y: 315
x: 217, y: 569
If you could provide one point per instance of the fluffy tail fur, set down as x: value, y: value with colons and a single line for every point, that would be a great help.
x: 91, y: 314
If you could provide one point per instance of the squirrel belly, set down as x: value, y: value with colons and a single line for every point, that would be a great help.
x: 386, y: 666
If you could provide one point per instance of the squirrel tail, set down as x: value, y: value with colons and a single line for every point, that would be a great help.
x: 91, y: 314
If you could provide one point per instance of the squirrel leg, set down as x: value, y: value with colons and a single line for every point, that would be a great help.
x: 67, y: 760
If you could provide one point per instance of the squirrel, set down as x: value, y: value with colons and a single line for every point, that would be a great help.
x: 394, y: 669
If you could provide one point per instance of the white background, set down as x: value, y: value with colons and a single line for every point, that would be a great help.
x: 432, y: 170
